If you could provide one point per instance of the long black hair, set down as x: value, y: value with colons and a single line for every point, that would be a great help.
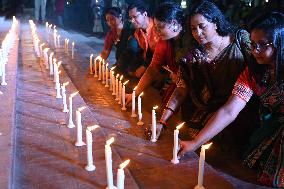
x: 114, y: 11
x: 169, y: 11
x: 214, y: 15
x: 272, y: 24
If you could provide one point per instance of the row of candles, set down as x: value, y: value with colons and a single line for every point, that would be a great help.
x: 6, y: 45
x: 116, y: 85
x: 53, y: 66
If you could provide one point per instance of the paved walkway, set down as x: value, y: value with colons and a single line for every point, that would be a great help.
x: 45, y: 155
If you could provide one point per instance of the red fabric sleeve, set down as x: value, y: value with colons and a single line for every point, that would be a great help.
x: 109, y: 40
x: 160, y: 55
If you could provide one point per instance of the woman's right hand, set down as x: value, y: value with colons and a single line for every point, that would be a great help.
x: 186, y: 147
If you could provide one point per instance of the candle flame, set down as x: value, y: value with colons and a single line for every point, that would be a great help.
x: 92, y: 55
x: 107, y: 65
x: 59, y: 63
x: 206, y: 146
x: 112, y: 68
x: 51, y: 54
x: 141, y: 94
x: 54, y: 59
x: 121, y: 77
x: 124, y: 164
x: 125, y: 82
x: 42, y: 44
x: 58, y: 36
x: 117, y: 76
x: 46, y: 50
x: 1, y: 92
x: 73, y: 43
x: 74, y: 94
x: 59, y: 72
x: 98, y: 58
x: 135, y: 88
x: 180, y: 126
x: 82, y: 108
x: 66, y: 83
x: 155, y: 107
x: 91, y: 128
x: 110, y: 141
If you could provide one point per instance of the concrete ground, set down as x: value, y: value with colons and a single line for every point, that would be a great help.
x: 44, y: 155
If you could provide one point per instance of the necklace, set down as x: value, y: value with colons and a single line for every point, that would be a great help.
x: 211, y: 56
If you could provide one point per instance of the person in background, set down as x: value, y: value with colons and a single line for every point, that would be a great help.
x: 40, y: 7
x: 145, y: 37
x: 264, y: 77
x: 118, y: 36
x: 59, y: 10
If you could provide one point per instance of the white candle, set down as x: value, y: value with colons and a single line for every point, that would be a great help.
x: 108, y: 159
x: 107, y: 81
x: 51, y: 63
x: 3, y: 73
x: 67, y: 46
x: 113, y: 84
x: 154, y: 122
x: 133, y: 103
x: 100, y: 70
x: 201, y: 166
x: 72, y: 53
x: 79, y: 141
x: 55, y: 70
x: 58, y: 40
x: 103, y: 72
x: 121, y: 175
x: 123, y: 96
x: 89, y: 138
x: 40, y: 48
x: 71, y: 124
x: 91, y: 63
x: 111, y: 78
x: 116, y: 87
x: 65, y: 109
x: 176, y: 147
x: 120, y: 89
x: 57, y: 84
x: 45, y: 57
x: 98, y: 58
x: 139, y: 108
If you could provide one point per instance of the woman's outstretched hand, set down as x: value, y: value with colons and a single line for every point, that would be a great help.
x: 186, y: 147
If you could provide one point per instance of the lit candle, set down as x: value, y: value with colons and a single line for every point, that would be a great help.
x: 55, y: 70
x: 71, y: 124
x: 79, y: 141
x: 103, y: 72
x: 65, y: 109
x: 176, y: 147
x: 3, y: 73
x: 108, y: 158
x: 121, y: 175
x: 57, y: 84
x: 89, y: 138
x: 133, y: 103
x: 154, y: 122
x: 67, y: 46
x: 54, y: 36
x: 51, y: 63
x: 116, y: 87
x: 139, y: 108
x: 40, y: 49
x: 98, y: 58
x: 123, y: 95
x: 201, y: 166
x: 120, y: 89
x: 58, y: 40
x: 72, y: 53
x: 45, y: 57
x: 91, y: 63
x: 100, y: 70
x: 107, y: 81
x: 111, y: 78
